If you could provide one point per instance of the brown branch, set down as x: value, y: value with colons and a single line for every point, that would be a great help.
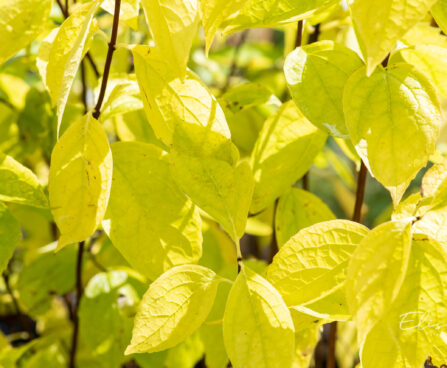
x: 112, y: 43
x: 75, y: 315
x: 361, y: 181
x: 274, y: 243
x: 299, y: 34
x: 84, y: 88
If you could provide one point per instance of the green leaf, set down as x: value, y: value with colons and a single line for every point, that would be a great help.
x: 393, y: 118
x: 300, y: 275
x: 80, y: 180
x: 430, y: 60
x: 410, y: 331
x: 18, y: 184
x: 268, y: 13
x: 21, y: 22
x: 173, y: 25
x: 284, y: 135
x: 246, y: 95
x: 205, y: 166
x: 174, y: 306
x: 379, y: 25
x: 297, y: 210
x: 323, y: 68
x: 376, y: 273
x: 45, y: 277
x: 149, y: 220
x: 9, y: 236
x: 66, y: 52
x: 170, y: 101
x: 257, y: 326
x: 439, y: 12
x: 214, y: 13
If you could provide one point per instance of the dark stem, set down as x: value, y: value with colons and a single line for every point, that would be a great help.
x: 22, y: 318
x: 112, y: 43
x: 305, y: 181
x: 75, y: 316
x: 361, y: 181
x: 233, y: 66
x: 274, y: 242
x: 331, y: 361
x: 299, y: 34
x: 314, y: 36
x: 84, y: 87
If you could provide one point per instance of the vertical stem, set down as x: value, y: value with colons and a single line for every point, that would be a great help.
x: 273, y: 243
x: 108, y: 63
x: 299, y: 34
x: 361, y: 181
x: 84, y: 87
x: 233, y: 66
x: 79, y: 291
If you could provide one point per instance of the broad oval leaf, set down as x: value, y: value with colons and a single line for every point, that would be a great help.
x: 173, y: 307
x: 316, y: 75
x: 149, y: 220
x: 66, y: 52
x: 376, y: 273
x: 9, y: 236
x: 297, y: 210
x: 258, y: 328
x: 18, y: 184
x: 314, y: 262
x: 380, y: 24
x: 410, y: 331
x: 21, y: 22
x: 206, y: 167
x: 170, y: 101
x: 393, y: 118
x: 80, y: 180
x: 285, y: 134
x: 173, y: 24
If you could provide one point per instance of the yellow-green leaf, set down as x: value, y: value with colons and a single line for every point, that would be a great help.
x: 316, y: 75
x: 80, y: 180
x: 170, y: 101
x: 18, y: 184
x: 9, y: 236
x: 439, y: 12
x: 380, y: 24
x: 284, y: 135
x: 66, y: 53
x: 21, y: 21
x: 297, y: 210
x: 173, y: 24
x: 206, y: 167
x: 258, y: 327
x: 268, y: 13
x: 314, y: 262
x: 410, y: 331
x: 393, y: 118
x: 376, y: 273
x: 174, y: 306
x: 149, y: 220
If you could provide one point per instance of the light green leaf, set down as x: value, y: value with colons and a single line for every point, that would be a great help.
x: 174, y: 306
x: 284, y: 135
x: 430, y: 60
x: 246, y: 95
x: 173, y: 25
x: 314, y: 262
x: 380, y: 24
x: 66, y: 52
x: 268, y: 13
x: 214, y: 13
x: 21, y: 21
x: 257, y: 326
x: 205, y: 166
x: 18, y: 184
x: 149, y: 220
x: 45, y: 277
x: 9, y: 236
x: 439, y: 12
x: 393, y: 118
x: 170, y: 101
x: 80, y: 180
x: 376, y: 273
x: 323, y: 68
x: 410, y: 331
x: 297, y: 210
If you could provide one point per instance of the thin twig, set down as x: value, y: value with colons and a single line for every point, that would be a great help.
x: 361, y: 181
x: 84, y: 87
x: 233, y: 66
x: 299, y: 34
x: 79, y: 291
